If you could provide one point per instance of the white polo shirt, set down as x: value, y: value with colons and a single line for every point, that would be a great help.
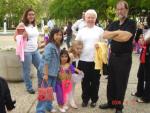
x: 89, y: 37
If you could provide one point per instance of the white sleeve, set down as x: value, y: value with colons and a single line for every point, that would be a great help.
x: 75, y: 27
x: 78, y: 36
x: 48, y: 24
x: 101, y: 35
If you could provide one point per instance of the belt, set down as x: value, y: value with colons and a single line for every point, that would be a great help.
x: 120, y: 54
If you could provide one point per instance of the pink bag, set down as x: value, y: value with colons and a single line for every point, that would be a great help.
x: 45, y: 93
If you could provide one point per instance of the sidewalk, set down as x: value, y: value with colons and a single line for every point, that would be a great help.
x: 26, y: 103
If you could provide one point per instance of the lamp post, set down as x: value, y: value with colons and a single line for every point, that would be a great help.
x: 42, y: 25
x: 5, y: 26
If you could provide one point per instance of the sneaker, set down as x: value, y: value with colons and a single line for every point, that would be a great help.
x: 31, y: 91
x: 84, y: 104
x: 53, y: 110
x: 66, y: 107
x: 73, y: 105
x: 62, y: 110
x: 139, y: 100
x: 135, y: 94
x: 93, y: 104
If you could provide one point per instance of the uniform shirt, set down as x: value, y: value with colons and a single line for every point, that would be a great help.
x: 89, y: 37
x: 123, y: 47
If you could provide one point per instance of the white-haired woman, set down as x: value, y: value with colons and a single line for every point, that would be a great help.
x: 89, y: 35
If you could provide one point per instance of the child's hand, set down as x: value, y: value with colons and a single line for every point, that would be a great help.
x: 80, y: 72
x: 45, y: 77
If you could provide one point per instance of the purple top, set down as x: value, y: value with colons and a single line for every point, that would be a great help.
x: 71, y: 68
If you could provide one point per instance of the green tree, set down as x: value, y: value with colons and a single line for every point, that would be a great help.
x: 14, y: 9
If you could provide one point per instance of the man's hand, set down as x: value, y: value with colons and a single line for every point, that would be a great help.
x: 96, y: 46
x: 106, y: 34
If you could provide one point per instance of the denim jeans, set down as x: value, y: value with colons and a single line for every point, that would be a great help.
x: 42, y: 106
x: 68, y: 41
x: 30, y: 58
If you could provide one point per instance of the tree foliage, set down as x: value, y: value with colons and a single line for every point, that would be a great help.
x: 13, y: 10
x: 63, y: 9
x: 67, y: 9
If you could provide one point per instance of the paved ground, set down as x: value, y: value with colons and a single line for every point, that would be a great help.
x: 26, y: 103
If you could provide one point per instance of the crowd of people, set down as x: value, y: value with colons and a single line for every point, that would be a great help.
x: 58, y: 68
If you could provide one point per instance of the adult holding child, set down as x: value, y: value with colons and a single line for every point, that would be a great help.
x: 31, y: 53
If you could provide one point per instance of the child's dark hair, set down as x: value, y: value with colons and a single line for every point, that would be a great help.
x: 65, y: 52
x: 52, y: 33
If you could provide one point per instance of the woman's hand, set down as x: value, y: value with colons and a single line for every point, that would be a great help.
x: 45, y: 77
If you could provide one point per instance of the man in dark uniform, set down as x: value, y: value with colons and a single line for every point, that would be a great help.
x: 121, y: 33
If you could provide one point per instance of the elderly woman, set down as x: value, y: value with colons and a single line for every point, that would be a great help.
x: 89, y: 35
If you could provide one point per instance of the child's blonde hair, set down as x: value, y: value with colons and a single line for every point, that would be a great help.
x: 74, y: 44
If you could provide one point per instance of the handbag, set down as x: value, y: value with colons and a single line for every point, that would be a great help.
x: 45, y: 93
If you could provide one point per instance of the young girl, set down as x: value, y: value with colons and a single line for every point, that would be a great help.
x: 64, y: 84
x: 49, y: 66
x: 75, y: 52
